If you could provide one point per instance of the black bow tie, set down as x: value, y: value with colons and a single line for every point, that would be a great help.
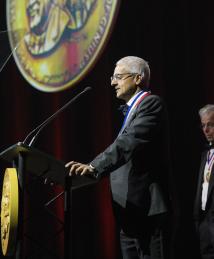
x: 209, y: 146
x: 124, y: 108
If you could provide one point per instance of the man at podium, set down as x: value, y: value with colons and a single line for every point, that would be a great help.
x: 137, y: 162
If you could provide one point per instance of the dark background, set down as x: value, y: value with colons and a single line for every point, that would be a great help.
x: 177, y: 39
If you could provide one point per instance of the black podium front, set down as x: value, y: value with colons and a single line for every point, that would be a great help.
x: 34, y: 168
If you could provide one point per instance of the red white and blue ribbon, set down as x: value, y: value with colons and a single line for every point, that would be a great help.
x: 139, y: 97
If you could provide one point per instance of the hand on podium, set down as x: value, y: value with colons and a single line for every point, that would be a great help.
x: 77, y: 168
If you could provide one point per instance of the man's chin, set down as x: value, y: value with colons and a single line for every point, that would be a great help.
x: 118, y: 95
x: 210, y: 140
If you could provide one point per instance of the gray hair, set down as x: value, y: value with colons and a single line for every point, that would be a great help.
x: 137, y: 65
x: 206, y: 109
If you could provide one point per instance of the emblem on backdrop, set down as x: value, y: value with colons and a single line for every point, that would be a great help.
x: 56, y: 42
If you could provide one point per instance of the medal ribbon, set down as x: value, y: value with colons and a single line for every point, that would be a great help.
x: 140, y: 96
x: 210, y: 161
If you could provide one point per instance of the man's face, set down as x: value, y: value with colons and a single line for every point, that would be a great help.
x: 36, y: 13
x: 207, y: 123
x: 124, y: 83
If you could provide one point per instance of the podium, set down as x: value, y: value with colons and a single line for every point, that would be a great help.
x: 41, y: 167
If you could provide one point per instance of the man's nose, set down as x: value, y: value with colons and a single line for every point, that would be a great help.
x: 113, y: 82
x: 206, y: 128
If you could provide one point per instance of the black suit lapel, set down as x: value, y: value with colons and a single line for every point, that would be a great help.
x: 129, y: 119
x: 131, y: 116
x: 201, y: 172
x: 211, y: 183
x: 200, y: 181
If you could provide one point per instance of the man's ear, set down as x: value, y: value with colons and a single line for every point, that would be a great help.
x: 139, y: 78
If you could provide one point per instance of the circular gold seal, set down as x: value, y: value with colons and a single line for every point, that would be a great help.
x: 9, y: 211
x: 56, y: 42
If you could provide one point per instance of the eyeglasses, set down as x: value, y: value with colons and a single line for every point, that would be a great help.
x: 118, y: 77
x: 209, y: 125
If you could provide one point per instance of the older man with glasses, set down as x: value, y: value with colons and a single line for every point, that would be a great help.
x: 204, y: 201
x: 137, y: 162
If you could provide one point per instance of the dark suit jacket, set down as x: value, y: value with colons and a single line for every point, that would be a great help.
x: 209, y: 209
x: 138, y: 160
x: 204, y: 222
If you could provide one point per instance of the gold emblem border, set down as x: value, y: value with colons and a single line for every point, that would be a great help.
x: 86, y: 69
x: 9, y: 211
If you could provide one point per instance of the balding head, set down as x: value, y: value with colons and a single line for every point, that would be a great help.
x: 137, y: 65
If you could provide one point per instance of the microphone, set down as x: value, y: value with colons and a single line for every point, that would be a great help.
x: 39, y: 128
x: 7, y: 52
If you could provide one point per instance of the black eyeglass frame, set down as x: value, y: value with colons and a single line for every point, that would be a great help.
x: 209, y: 125
x: 120, y: 76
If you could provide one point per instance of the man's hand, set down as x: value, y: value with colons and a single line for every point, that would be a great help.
x: 79, y: 168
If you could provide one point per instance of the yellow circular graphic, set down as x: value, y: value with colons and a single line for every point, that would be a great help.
x: 56, y: 42
x: 9, y: 211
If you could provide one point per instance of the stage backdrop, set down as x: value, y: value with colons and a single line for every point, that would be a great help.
x: 177, y: 40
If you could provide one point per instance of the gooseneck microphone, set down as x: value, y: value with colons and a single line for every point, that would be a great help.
x: 35, y: 132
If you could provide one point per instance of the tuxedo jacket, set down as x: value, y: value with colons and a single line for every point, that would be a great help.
x: 209, y: 209
x: 137, y: 160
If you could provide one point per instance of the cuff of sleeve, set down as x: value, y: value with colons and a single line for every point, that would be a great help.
x: 92, y: 167
x: 95, y: 173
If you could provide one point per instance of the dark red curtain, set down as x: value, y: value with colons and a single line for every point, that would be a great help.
x: 176, y: 37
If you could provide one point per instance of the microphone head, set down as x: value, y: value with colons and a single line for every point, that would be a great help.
x: 87, y: 89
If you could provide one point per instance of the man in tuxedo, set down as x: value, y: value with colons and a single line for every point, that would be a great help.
x: 137, y: 162
x: 204, y: 201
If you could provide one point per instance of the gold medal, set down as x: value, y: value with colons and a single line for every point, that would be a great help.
x: 57, y: 42
x: 209, y: 164
x: 208, y: 176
